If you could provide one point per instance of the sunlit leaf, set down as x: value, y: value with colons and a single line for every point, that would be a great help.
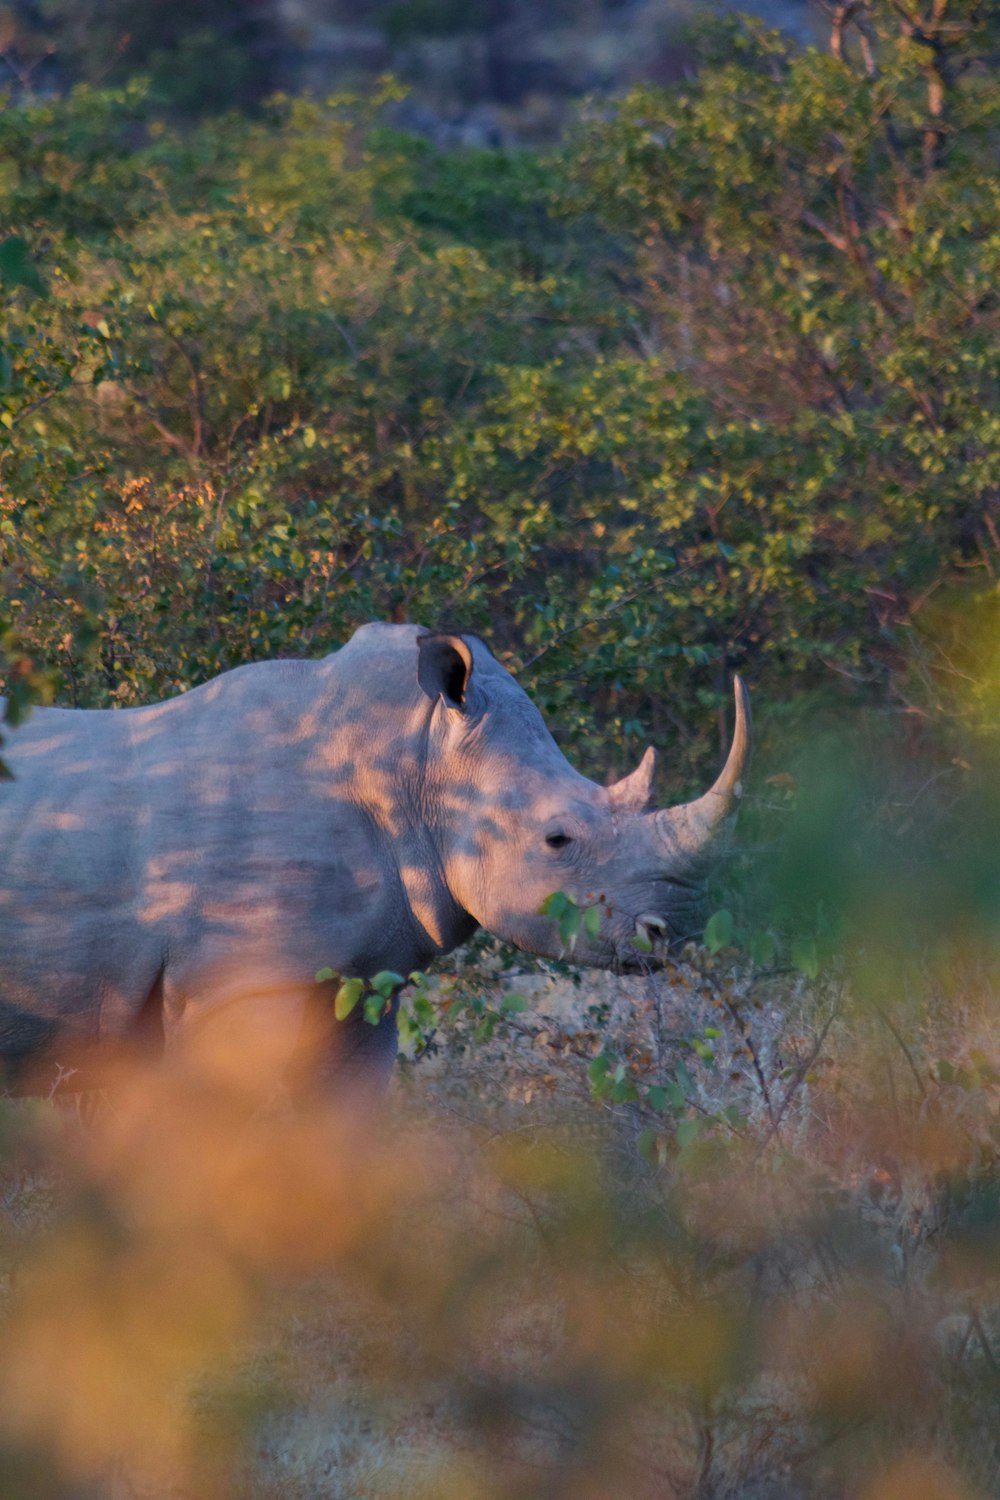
x: 347, y: 998
x: 386, y: 981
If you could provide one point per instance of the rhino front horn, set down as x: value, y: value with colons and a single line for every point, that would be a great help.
x: 688, y: 833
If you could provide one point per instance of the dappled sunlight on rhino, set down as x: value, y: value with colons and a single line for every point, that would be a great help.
x: 361, y: 813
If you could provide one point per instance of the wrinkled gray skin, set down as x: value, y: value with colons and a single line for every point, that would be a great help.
x: 363, y: 812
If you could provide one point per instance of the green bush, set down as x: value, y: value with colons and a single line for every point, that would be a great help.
x: 712, y: 388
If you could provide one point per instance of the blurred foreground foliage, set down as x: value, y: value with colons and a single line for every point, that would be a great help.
x: 215, y: 1289
x: 712, y: 388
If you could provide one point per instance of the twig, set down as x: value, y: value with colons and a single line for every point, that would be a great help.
x: 800, y: 1073
x: 747, y: 1037
x: 903, y: 1048
x: 984, y: 1343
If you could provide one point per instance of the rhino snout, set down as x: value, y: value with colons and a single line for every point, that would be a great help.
x: 648, y: 936
x: 663, y: 932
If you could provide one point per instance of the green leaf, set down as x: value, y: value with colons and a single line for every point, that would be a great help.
x: 386, y: 981
x: 684, y: 1079
x: 763, y: 948
x: 718, y: 931
x: 599, y: 1068
x: 569, y: 926
x: 409, y: 1032
x: 676, y: 1096
x: 805, y: 957
x: 592, y: 921
x: 657, y: 1096
x: 423, y: 1010
x: 323, y: 975
x: 17, y: 267
x: 555, y: 905
x: 374, y: 1009
x: 513, y: 1003
x: 347, y: 997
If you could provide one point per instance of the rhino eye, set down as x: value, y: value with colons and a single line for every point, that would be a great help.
x: 557, y: 840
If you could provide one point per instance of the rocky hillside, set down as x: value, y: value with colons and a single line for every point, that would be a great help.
x: 491, y: 70
x: 480, y: 72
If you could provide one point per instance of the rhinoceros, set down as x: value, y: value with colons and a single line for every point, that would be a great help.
x: 362, y: 812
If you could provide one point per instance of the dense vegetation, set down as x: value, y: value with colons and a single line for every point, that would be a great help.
x: 715, y: 386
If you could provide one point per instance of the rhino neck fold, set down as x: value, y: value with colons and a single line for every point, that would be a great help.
x: 396, y: 793
x: 440, y: 922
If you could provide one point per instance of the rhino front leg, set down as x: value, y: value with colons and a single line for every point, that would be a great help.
x: 360, y: 1057
x: 268, y: 1031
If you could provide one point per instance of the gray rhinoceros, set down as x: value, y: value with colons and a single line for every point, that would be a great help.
x: 362, y: 812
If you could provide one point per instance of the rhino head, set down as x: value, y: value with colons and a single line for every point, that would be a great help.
x: 514, y: 822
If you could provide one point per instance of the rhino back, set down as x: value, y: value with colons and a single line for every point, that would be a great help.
x: 254, y: 816
x: 67, y: 869
x: 259, y: 834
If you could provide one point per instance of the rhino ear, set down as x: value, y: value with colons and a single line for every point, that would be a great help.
x: 444, y: 667
x: 634, y: 793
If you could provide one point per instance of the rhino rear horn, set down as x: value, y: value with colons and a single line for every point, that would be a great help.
x: 444, y: 667
x: 634, y: 793
x: 688, y: 835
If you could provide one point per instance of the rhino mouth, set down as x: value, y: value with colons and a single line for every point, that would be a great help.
x: 644, y: 943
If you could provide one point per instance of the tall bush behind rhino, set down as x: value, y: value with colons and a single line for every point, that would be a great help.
x: 711, y: 407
